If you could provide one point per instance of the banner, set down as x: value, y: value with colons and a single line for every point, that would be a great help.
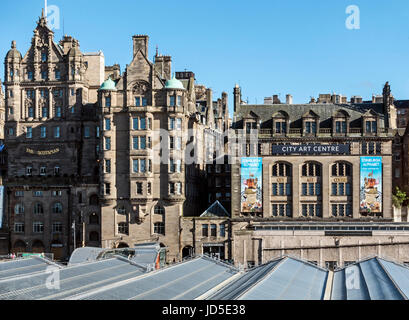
x: 251, y: 185
x: 1, y: 205
x: 371, y: 186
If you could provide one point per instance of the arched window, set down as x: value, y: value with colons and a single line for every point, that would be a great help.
x: 311, y: 169
x: 159, y: 210
x: 93, y: 236
x: 93, y: 219
x: 38, y: 208
x: 282, y: 170
x: 19, y: 208
x: 341, y: 169
x: 57, y: 207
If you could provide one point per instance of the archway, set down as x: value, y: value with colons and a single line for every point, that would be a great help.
x: 187, y: 252
x: 38, y: 247
x: 19, y: 247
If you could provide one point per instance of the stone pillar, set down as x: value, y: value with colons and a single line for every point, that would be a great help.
x: 325, y: 190
x: 296, y: 189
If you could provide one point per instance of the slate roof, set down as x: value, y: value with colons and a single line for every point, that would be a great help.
x: 216, y: 210
x: 296, y: 111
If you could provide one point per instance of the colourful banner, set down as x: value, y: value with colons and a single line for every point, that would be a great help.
x: 371, y: 186
x: 251, y: 185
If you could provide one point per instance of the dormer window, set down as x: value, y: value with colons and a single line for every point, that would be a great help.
x: 30, y: 75
x: 44, y: 57
x: 57, y: 74
x: 44, y: 75
x: 340, y: 126
x: 371, y: 126
x: 310, y: 127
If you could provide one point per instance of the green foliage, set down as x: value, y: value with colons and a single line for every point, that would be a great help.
x: 399, y: 198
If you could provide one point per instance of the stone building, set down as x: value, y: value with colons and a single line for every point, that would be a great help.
x: 51, y: 138
x: 317, y: 200
x: 154, y: 128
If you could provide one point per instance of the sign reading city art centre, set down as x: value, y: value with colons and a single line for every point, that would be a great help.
x: 312, y: 149
x: 251, y: 185
x: 371, y: 185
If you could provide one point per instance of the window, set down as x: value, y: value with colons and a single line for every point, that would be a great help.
x: 29, y: 133
x: 159, y: 228
x: 371, y: 126
x: 107, y: 101
x: 135, y: 123
x: 281, y: 209
x: 172, y: 101
x: 310, y: 127
x: 222, y: 229
x: 205, y: 230
x: 340, y: 127
x: 139, y: 188
x: 282, y: 170
x: 57, y: 193
x: 44, y: 75
x: 172, y: 188
x: 144, y: 102
x: 38, y: 227
x: 57, y: 74
x: 107, y: 143
x: 311, y: 170
x: 19, y: 193
x: 87, y: 132
x: 107, y: 124
x: 38, y: 208
x: 280, y: 127
x: 19, y: 228
x: 135, y: 165
x: 137, y: 101
x: 44, y: 112
x: 30, y: 75
x: 179, y: 101
x: 57, y: 227
x: 58, y: 112
x: 93, y: 219
x: 311, y: 209
x: 19, y: 208
x: 143, y: 123
x: 57, y: 208
x: 143, y: 165
x: 31, y: 112
x: 56, y: 170
x: 179, y: 124
x: 107, y: 166
x: 44, y: 57
x: 57, y: 133
x: 172, y: 124
x: 43, y: 132
x: 123, y: 228
x: 43, y: 171
x: 213, y: 230
x: 159, y: 210
x: 107, y: 188
x: 37, y: 193
x: 10, y: 131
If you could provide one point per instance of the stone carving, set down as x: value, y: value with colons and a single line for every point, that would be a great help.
x: 140, y: 88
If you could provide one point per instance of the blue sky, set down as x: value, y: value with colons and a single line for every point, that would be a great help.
x: 267, y: 46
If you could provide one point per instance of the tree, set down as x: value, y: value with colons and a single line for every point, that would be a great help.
x: 399, y: 198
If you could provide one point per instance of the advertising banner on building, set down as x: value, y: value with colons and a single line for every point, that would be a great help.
x: 371, y: 186
x: 1, y: 205
x: 251, y: 185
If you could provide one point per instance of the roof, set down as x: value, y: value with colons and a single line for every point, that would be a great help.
x: 22, y: 267
x: 73, y: 280
x: 13, y: 53
x: 371, y: 279
x: 325, y: 112
x: 108, y: 84
x: 184, y: 281
x: 174, y: 84
x: 216, y: 210
x: 86, y: 254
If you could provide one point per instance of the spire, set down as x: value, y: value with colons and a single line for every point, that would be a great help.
x: 13, y: 44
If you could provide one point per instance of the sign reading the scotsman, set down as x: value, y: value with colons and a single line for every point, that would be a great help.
x: 251, y: 185
x: 312, y: 149
x: 371, y: 185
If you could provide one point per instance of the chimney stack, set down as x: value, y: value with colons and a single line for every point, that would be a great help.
x: 140, y: 42
x: 289, y: 99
